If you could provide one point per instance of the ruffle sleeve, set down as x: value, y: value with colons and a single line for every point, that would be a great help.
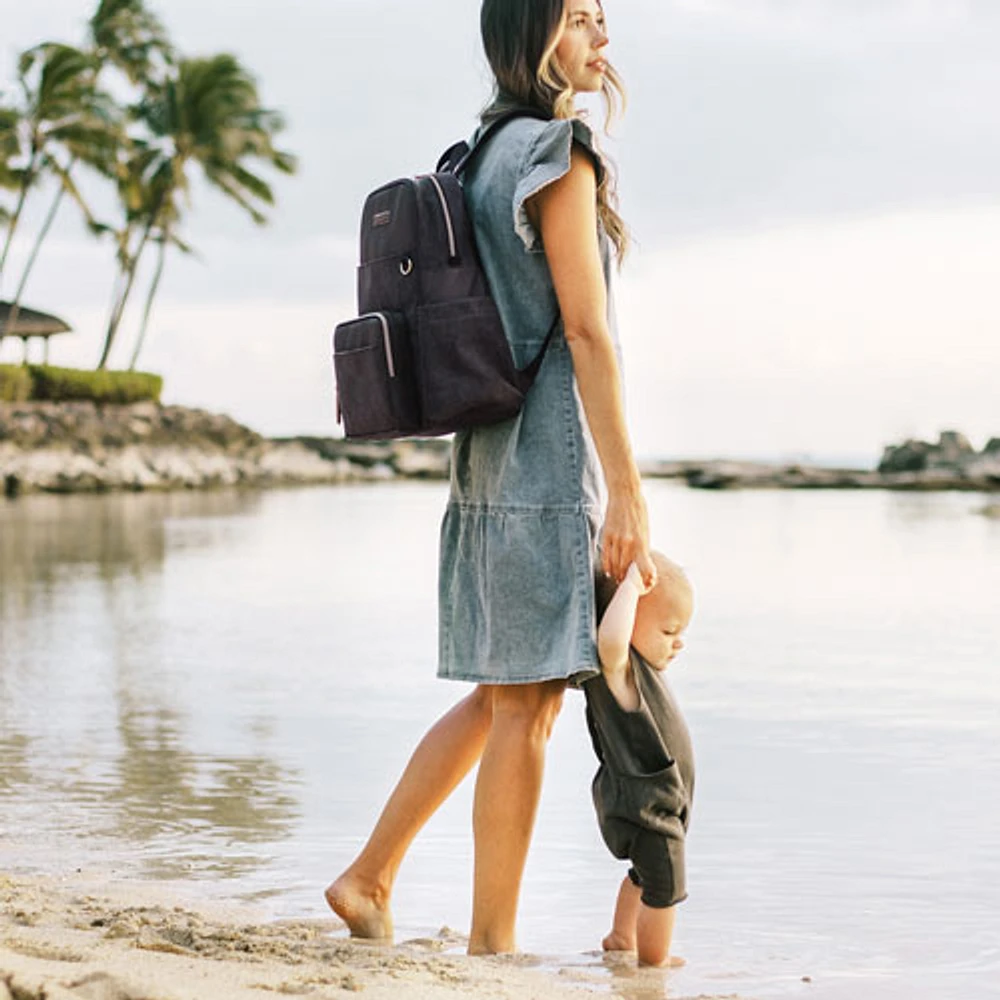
x: 546, y: 159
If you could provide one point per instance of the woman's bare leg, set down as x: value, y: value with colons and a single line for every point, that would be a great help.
x: 361, y: 895
x: 507, y: 792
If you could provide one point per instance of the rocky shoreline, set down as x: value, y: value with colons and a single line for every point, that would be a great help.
x: 88, y: 448
x: 949, y: 464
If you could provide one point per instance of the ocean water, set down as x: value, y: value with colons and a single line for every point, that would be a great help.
x: 220, y: 689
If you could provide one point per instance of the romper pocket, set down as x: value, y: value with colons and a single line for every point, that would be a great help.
x: 656, y: 801
x: 467, y: 373
x: 376, y: 397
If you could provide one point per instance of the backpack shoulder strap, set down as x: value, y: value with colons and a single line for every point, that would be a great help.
x: 456, y: 159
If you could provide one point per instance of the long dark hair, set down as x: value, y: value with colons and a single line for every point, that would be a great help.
x: 520, y: 38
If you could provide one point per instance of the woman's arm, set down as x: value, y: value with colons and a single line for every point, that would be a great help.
x: 565, y: 213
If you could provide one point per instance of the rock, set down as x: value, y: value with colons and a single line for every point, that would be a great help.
x: 80, y: 447
x: 951, y: 452
x: 416, y: 462
x: 294, y: 463
x: 952, y: 463
x: 991, y: 510
x: 984, y: 467
x: 421, y: 459
x: 910, y: 456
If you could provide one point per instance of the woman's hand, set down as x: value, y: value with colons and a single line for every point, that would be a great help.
x: 625, y: 537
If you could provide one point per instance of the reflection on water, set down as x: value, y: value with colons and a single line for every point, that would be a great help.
x: 158, y: 787
x: 118, y: 534
x: 224, y: 687
x: 14, y: 750
x: 119, y: 758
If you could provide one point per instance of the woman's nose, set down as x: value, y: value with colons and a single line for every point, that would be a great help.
x: 678, y: 644
x: 600, y: 38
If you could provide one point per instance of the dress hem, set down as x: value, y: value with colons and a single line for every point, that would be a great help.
x: 574, y: 677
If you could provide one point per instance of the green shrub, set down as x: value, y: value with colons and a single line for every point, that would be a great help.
x: 63, y: 384
x: 15, y: 384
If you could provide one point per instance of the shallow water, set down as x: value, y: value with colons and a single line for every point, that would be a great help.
x: 220, y: 689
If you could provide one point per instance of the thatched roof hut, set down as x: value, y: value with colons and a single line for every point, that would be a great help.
x: 29, y: 324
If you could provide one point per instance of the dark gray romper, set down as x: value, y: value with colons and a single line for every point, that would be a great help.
x: 644, y: 786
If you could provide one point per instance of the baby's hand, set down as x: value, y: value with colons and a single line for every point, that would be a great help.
x: 635, y: 577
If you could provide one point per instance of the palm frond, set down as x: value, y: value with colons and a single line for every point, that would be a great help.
x: 251, y: 184
x: 131, y: 37
x: 235, y: 191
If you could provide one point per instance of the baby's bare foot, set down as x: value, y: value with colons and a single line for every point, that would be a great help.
x: 358, y: 908
x: 670, y: 962
x: 616, y: 941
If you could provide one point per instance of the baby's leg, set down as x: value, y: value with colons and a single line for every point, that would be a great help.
x: 622, y: 936
x: 654, y: 932
x: 657, y: 871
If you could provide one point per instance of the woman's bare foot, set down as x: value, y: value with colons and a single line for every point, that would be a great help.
x: 365, y: 915
x: 616, y: 941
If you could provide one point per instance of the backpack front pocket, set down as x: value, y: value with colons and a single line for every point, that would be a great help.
x: 376, y: 396
x: 467, y: 373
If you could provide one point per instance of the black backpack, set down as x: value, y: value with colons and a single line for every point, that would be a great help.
x: 428, y: 354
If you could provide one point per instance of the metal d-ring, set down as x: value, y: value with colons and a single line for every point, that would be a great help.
x: 405, y: 266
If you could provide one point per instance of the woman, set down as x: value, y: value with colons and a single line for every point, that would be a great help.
x: 519, y: 538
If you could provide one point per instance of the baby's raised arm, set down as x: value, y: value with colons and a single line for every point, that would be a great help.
x: 614, y: 636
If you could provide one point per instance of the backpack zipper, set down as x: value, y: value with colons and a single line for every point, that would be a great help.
x: 388, y: 343
x: 452, y: 249
x: 386, y: 340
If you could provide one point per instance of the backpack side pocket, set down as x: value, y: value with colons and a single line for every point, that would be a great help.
x: 373, y: 364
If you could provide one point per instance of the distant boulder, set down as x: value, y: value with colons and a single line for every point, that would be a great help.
x: 953, y: 452
x: 910, y: 456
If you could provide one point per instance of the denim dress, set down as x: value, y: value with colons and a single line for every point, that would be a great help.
x: 519, y: 536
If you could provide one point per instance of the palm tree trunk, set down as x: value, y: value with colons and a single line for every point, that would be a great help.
x: 15, y: 308
x: 153, y: 288
x: 118, y: 309
x: 15, y: 218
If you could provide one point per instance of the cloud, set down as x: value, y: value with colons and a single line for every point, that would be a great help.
x: 821, y: 337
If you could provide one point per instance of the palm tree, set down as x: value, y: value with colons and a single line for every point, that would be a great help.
x: 207, y: 115
x: 10, y: 148
x: 125, y: 35
x: 143, y: 191
x: 64, y: 117
x: 61, y: 107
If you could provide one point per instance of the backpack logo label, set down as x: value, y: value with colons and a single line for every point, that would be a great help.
x: 381, y: 219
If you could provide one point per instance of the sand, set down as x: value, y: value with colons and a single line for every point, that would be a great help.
x: 76, y: 938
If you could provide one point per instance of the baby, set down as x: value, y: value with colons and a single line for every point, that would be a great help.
x: 643, y: 788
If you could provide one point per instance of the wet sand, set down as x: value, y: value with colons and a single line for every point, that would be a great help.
x: 77, y: 938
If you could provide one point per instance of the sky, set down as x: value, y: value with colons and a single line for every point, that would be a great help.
x: 813, y: 188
